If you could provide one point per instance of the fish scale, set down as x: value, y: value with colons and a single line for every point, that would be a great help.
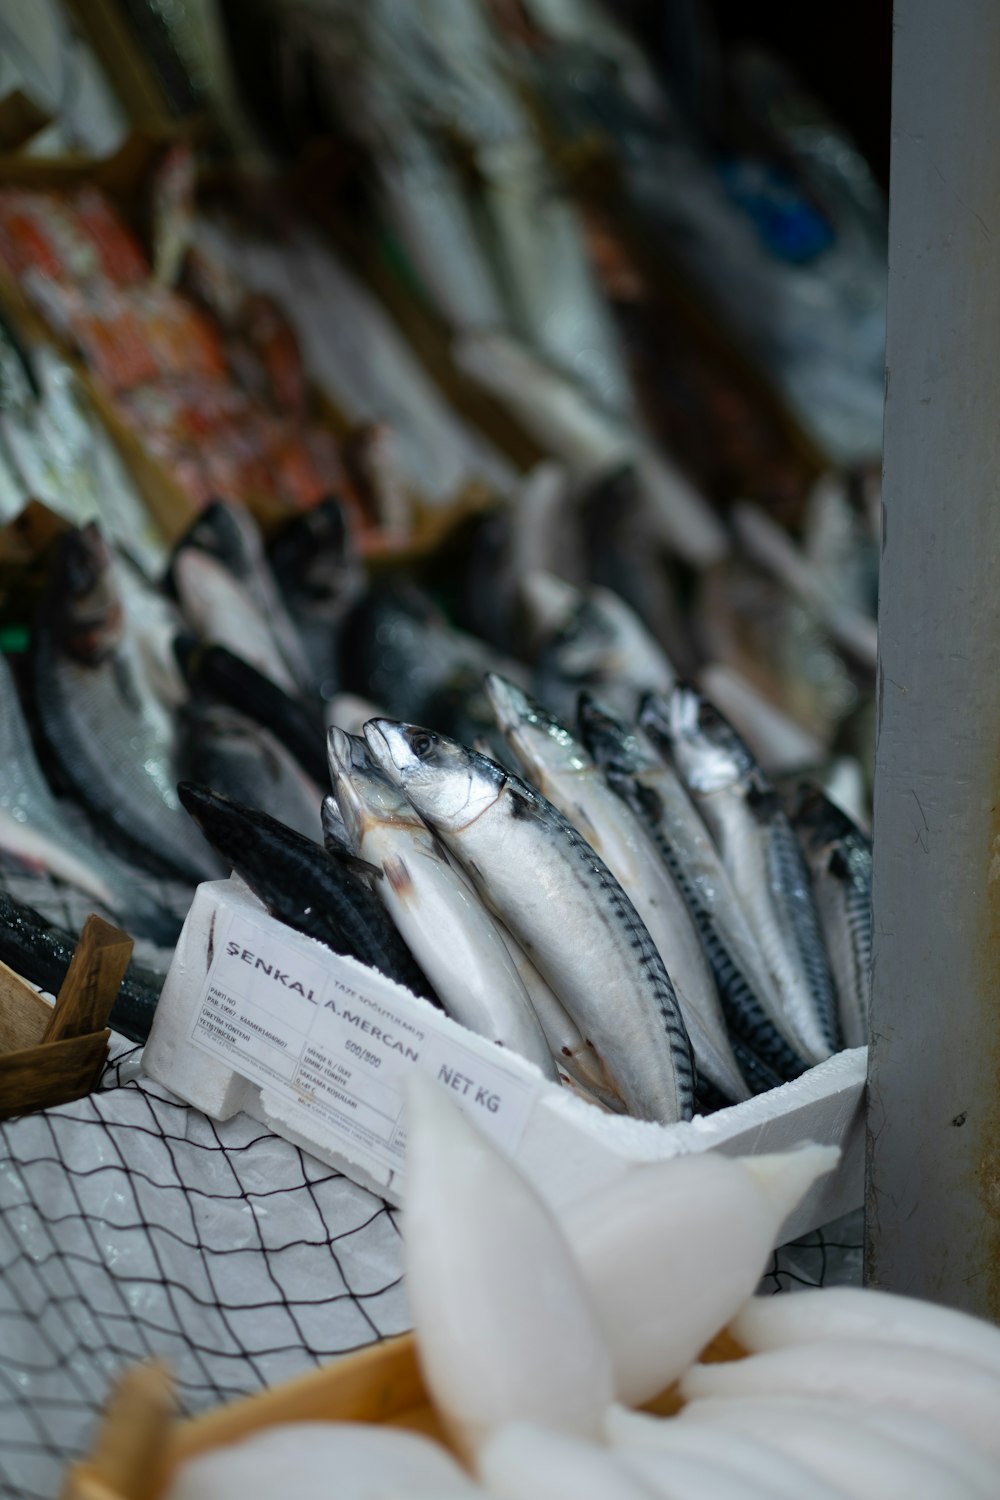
x: 562, y: 904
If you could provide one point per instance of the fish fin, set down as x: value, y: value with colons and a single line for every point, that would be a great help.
x: 354, y: 862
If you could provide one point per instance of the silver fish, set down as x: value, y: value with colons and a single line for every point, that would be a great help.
x: 594, y: 642
x: 562, y: 903
x: 112, y: 739
x: 574, y: 1057
x: 229, y: 533
x: 555, y: 762
x: 440, y: 918
x: 643, y: 779
x: 840, y: 860
x: 36, y: 831
x: 761, y: 855
x: 223, y: 749
x: 220, y: 610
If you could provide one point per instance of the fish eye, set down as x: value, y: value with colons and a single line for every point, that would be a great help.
x: 422, y: 743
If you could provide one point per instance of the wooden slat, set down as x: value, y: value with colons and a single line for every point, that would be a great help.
x: 55, y: 1072
x: 92, y: 981
x: 24, y: 1015
x: 128, y: 1456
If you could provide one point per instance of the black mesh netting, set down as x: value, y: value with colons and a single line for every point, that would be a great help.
x: 132, y: 1225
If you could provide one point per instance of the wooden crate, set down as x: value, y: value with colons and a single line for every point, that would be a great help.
x: 51, y: 1054
x: 142, y: 1443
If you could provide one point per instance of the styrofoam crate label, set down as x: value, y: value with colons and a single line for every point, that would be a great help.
x: 338, y: 1048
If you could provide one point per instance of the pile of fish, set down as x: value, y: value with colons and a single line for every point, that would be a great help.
x: 537, y: 1336
x: 602, y: 877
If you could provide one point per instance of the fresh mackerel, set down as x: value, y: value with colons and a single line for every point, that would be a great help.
x: 839, y: 857
x: 34, y: 829
x: 440, y: 917
x: 563, y: 905
x: 651, y: 788
x: 555, y: 762
x: 761, y: 855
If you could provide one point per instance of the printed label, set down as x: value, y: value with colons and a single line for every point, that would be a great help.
x: 338, y: 1045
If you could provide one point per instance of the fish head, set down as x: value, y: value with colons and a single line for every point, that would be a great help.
x: 617, y: 748
x: 706, y: 749
x: 314, y: 558
x: 580, y: 650
x: 226, y: 532
x: 365, y: 795
x: 539, y: 739
x: 819, y: 822
x: 448, y: 784
x: 83, y: 602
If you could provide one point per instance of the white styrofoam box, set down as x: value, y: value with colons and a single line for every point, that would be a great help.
x: 257, y: 1017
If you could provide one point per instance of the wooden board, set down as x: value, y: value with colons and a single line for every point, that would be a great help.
x: 24, y: 1015
x: 53, y: 1073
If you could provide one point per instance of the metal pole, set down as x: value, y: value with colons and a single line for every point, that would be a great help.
x: 933, y: 1180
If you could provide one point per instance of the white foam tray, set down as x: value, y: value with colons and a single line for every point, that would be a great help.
x: 566, y: 1146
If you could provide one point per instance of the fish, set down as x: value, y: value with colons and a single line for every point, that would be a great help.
x: 764, y: 1045
x: 215, y: 673
x: 41, y: 952
x: 434, y: 908
x: 557, y: 764
x: 760, y: 853
x: 228, y: 533
x: 571, y: 428
x: 398, y: 648
x: 113, y: 742
x: 625, y: 555
x: 575, y: 1057
x: 779, y: 743
x: 220, y: 611
x: 226, y: 750
x: 594, y: 642
x: 563, y: 905
x: 35, y: 830
x: 302, y: 886
x: 320, y: 575
x: 839, y: 856
x: 853, y: 630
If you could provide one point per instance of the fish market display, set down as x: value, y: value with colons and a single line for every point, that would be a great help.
x: 573, y: 918
x: 365, y: 539
x: 524, y: 1325
x: 439, y: 917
